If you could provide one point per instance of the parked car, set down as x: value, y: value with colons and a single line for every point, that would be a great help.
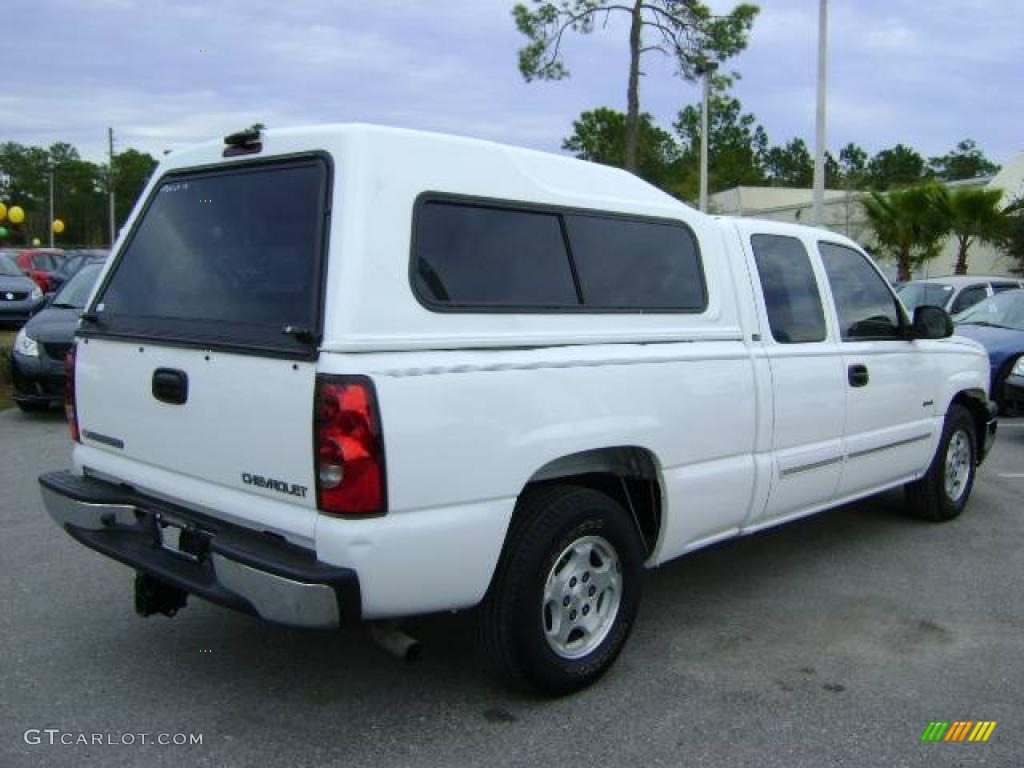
x: 43, y: 266
x: 404, y: 373
x: 998, y: 324
x: 19, y: 295
x: 954, y: 293
x: 41, y: 346
x: 77, y: 258
x: 1013, y: 388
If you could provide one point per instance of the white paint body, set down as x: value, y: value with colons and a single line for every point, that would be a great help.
x: 475, y: 405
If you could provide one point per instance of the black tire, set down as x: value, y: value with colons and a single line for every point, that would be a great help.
x: 547, y: 521
x: 928, y: 498
x: 999, y: 388
x: 33, y: 407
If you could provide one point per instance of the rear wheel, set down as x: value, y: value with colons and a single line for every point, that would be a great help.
x: 945, y: 488
x: 566, y: 591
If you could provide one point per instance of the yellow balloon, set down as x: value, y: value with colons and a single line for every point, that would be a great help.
x: 3, y: 211
x: 36, y: 242
x: 58, y: 226
x: 16, y: 215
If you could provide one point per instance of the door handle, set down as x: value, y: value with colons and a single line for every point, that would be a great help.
x: 857, y: 375
x: 170, y: 386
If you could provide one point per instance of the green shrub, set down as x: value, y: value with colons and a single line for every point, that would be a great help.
x: 6, y: 382
x: 5, y: 363
x: 6, y: 343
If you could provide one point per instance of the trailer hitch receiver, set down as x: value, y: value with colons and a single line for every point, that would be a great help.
x: 155, y: 596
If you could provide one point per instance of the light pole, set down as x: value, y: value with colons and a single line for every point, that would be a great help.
x: 49, y: 225
x: 819, y: 138
x: 707, y: 70
x: 110, y: 184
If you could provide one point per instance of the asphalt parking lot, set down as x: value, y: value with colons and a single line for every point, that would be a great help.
x: 831, y: 641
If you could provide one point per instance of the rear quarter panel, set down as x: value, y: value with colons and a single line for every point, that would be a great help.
x: 465, y: 431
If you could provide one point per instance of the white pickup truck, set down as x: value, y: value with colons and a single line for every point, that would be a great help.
x: 352, y: 373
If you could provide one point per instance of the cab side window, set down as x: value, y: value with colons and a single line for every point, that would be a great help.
x: 790, y: 291
x: 865, y: 304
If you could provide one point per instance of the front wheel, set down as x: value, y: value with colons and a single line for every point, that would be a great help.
x: 943, y: 491
x: 1006, y: 407
x: 566, y: 591
x: 32, y: 407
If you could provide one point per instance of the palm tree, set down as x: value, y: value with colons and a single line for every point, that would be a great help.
x: 972, y: 215
x: 1013, y: 237
x: 907, y: 225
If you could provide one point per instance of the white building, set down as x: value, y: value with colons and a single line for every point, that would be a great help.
x: 844, y: 214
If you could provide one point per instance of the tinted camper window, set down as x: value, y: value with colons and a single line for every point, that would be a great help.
x: 483, y: 256
x: 638, y: 265
x: 475, y: 256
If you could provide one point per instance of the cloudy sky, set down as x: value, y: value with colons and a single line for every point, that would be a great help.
x: 168, y: 73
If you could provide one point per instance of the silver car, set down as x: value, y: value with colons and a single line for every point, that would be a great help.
x: 20, y: 297
x: 954, y: 293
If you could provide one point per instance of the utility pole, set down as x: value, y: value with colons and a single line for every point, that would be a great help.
x: 110, y: 184
x: 819, y: 140
x: 50, y: 226
x: 707, y: 69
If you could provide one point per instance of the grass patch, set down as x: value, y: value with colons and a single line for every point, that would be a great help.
x: 6, y: 385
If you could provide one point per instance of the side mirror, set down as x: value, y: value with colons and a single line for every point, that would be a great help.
x: 932, y: 323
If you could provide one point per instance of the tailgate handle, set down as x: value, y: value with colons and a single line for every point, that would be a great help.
x: 170, y: 386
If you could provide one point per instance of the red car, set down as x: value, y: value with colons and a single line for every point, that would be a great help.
x: 43, y: 266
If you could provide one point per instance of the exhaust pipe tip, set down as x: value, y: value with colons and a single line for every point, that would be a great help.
x: 388, y: 636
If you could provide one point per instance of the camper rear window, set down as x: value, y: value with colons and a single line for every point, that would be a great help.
x: 226, y: 257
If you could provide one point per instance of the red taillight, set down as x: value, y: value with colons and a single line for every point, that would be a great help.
x: 69, y: 393
x: 350, y: 477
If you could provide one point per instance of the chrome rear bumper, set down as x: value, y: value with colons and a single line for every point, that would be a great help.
x: 242, y: 569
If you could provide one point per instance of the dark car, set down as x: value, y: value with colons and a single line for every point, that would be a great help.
x: 74, y: 260
x: 43, y: 266
x: 998, y: 324
x: 19, y: 295
x: 37, y: 360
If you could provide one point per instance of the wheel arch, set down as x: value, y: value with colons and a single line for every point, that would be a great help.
x: 977, y: 404
x: 630, y: 474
